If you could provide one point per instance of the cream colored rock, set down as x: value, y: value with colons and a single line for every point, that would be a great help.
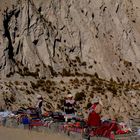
x: 133, y: 101
x: 109, y: 96
x: 101, y: 34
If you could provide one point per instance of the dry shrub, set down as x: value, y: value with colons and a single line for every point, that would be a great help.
x: 62, y: 82
x: 17, y: 82
x: 28, y: 92
x: 53, y: 72
x: 34, y: 86
x: 76, y: 81
x: 88, y: 105
x: 79, y: 96
x: 66, y: 72
x: 78, y: 59
x: 25, y: 83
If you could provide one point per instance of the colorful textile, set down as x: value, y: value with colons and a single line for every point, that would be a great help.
x: 69, y: 106
x: 36, y: 122
x: 94, y: 119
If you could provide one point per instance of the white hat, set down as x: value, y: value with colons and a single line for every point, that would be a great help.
x: 39, y: 96
x: 69, y: 96
x: 97, y: 100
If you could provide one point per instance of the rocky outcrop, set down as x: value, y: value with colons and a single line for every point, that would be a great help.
x: 50, y: 38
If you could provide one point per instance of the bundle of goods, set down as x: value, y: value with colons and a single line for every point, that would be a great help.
x: 53, y: 117
x: 35, y: 123
x: 74, y: 125
x: 32, y: 112
x: 47, y: 114
x: 123, y: 129
x: 108, y: 129
x: 57, y: 117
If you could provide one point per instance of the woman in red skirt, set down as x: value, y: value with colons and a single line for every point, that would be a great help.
x: 95, y: 124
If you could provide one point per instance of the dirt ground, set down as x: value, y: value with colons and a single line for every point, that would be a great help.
x: 18, y: 134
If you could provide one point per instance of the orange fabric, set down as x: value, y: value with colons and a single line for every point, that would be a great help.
x: 46, y: 114
x: 77, y: 124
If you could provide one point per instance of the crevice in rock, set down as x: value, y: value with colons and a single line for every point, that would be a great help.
x: 54, y: 46
x: 28, y: 12
x: 117, y: 8
x: 6, y: 20
x: 80, y: 43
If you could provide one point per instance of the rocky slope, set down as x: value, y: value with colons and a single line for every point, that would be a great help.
x: 53, y: 40
x: 119, y: 99
x: 52, y: 37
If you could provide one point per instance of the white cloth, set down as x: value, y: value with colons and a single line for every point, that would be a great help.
x: 38, y: 102
x: 70, y: 101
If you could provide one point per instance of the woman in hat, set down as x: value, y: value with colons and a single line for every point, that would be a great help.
x: 94, y: 118
x: 94, y: 121
x: 69, y: 104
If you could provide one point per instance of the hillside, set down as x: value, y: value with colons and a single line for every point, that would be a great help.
x: 45, y: 45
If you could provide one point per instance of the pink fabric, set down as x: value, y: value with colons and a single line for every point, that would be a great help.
x: 70, y: 101
x: 93, y: 106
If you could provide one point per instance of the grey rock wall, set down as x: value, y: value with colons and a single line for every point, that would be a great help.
x: 74, y: 36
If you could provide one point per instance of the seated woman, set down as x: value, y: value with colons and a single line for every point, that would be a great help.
x: 94, y: 121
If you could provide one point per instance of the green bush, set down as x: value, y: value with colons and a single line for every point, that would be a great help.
x: 79, y: 96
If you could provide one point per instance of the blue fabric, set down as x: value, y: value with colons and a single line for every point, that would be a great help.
x: 25, y: 120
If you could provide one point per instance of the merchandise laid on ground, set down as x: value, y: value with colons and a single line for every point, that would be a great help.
x: 72, y: 126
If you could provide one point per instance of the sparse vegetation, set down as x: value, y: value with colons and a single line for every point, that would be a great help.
x: 83, y: 63
x: 90, y: 67
x: 127, y: 63
x: 78, y: 59
x: 96, y: 75
x: 53, y: 72
x: 88, y: 105
x: 28, y: 92
x: 33, y: 85
x: 9, y: 74
x: 25, y: 83
x: 26, y: 72
x: 17, y: 82
x: 62, y: 82
x: 79, y: 96
x: 66, y: 72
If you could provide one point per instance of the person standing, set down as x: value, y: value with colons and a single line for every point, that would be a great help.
x: 39, y: 106
x: 69, y: 105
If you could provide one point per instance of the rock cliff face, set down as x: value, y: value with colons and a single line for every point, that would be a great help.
x: 58, y: 38
x: 49, y: 38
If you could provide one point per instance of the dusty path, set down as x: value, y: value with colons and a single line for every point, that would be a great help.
x: 18, y: 134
